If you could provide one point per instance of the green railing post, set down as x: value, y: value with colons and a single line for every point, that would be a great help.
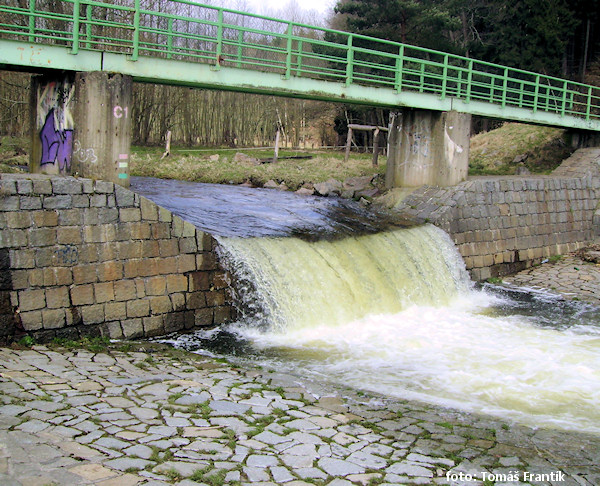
x: 219, y: 50
x: 469, y: 82
x: 88, y: 26
x: 170, y: 38
x: 136, y: 31
x: 521, y: 94
x: 505, y: 87
x: 422, y: 77
x: 459, y: 83
x: 445, y: 77
x: 240, y: 48
x: 299, y: 59
x: 492, y: 87
x: 349, y: 61
x: 399, y: 68
x: 31, y: 20
x: 564, y: 99
x: 588, y: 108
x: 75, y: 46
x: 288, y: 52
x: 536, y: 93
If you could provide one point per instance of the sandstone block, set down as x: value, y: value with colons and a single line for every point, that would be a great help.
x: 45, y: 218
x: 9, y: 203
x: 138, y: 308
x: 115, y: 311
x: 82, y: 295
x: 68, y: 235
x: 153, y: 325
x: 168, y: 248
x: 195, y: 300
x: 167, y: 265
x: 199, y: 281
x: 84, y: 274
x: 92, y: 314
x: 18, y: 220
x: 129, y: 215
x: 53, y: 318
x: 42, y: 187
x: 104, y: 292
x: 57, y: 297
x: 110, y: 271
x: 177, y: 283
x: 42, y: 237
x: 125, y: 290
x: 31, y: 300
x: 57, y: 202
x: 21, y: 258
x: 149, y: 210
x: 156, y: 285
x: 215, y: 298
x: 31, y: 321
x: 188, y: 245
x: 104, y: 187
x: 160, y: 304
x: 13, y: 238
x: 160, y: 230
x: 132, y: 328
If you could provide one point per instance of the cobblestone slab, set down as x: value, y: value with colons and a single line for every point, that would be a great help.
x: 106, y: 426
x: 571, y: 277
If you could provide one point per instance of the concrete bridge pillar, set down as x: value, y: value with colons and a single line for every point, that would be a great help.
x: 81, y: 125
x: 427, y: 147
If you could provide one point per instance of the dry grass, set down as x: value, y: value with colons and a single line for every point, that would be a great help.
x: 293, y: 172
x: 493, y: 152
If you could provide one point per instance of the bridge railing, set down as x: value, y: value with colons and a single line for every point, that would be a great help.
x: 189, y: 31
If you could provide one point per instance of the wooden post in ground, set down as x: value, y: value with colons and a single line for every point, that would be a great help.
x: 168, y: 146
x: 375, y: 146
x: 348, y: 143
x: 276, y: 153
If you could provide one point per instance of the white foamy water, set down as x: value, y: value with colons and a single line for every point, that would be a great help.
x: 395, y: 313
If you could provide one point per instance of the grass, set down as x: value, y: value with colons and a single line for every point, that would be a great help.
x: 13, y: 153
x: 493, y: 152
x: 96, y: 344
x: 198, y: 166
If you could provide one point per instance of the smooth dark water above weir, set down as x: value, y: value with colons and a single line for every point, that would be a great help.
x: 255, y: 212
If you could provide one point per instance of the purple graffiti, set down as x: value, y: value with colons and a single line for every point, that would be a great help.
x: 57, y: 145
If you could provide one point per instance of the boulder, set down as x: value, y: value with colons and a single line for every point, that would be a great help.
x: 358, y: 183
x: 271, y: 184
x: 331, y: 187
x: 245, y: 159
x: 367, y: 193
x: 305, y: 191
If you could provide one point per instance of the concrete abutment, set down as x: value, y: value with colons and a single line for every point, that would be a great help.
x: 427, y: 148
x: 81, y: 125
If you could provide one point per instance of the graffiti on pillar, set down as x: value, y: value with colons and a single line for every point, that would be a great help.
x: 84, y: 155
x: 55, y: 122
x: 57, y: 145
x: 419, y: 140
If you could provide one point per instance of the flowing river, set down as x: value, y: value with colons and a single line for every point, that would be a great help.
x: 332, y: 292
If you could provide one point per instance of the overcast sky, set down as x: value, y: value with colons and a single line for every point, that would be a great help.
x: 323, y: 7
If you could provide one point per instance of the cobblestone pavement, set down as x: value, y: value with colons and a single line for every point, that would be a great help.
x: 156, y: 416
x: 570, y: 276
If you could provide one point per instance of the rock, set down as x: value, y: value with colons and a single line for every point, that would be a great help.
x: 304, y: 191
x: 214, y: 158
x: 330, y: 187
x: 367, y: 193
x: 245, y: 159
x: 282, y: 187
x: 522, y: 170
x: 519, y: 159
x: 271, y: 184
x: 348, y: 193
x: 358, y: 183
x: 247, y: 184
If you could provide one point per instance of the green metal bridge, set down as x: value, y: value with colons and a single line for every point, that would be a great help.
x: 190, y: 44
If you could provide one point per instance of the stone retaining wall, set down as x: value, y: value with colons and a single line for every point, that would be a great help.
x: 504, y: 224
x: 79, y: 257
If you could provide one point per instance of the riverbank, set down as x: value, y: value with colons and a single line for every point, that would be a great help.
x: 142, y: 414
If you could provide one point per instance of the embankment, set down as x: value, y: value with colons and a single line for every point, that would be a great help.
x: 81, y: 257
